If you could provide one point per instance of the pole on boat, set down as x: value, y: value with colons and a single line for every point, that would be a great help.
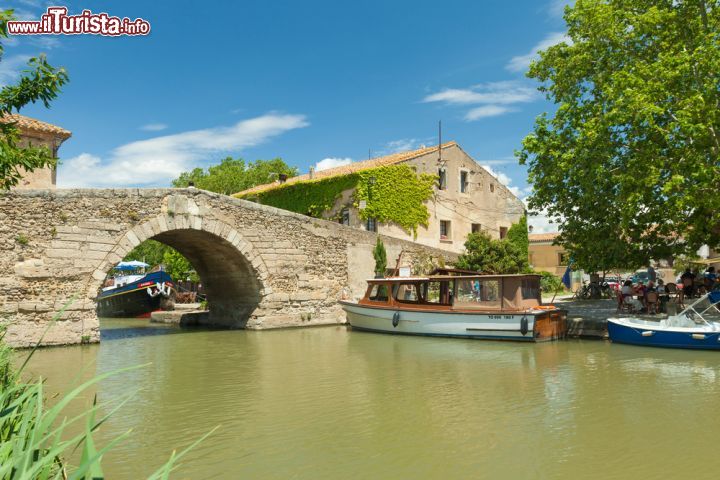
x: 396, y: 272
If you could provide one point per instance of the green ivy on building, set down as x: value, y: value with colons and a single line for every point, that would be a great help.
x: 392, y: 194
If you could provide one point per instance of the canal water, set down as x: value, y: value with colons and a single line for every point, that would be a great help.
x: 328, y: 403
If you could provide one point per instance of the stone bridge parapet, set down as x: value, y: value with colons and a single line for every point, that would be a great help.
x: 261, y: 267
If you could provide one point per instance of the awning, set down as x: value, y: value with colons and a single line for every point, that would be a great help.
x: 131, y: 265
x: 707, y: 261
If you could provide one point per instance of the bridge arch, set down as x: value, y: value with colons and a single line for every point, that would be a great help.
x: 233, y: 274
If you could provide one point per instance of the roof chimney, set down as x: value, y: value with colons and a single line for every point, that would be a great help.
x: 312, y: 172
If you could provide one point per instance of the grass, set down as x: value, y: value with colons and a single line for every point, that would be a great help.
x: 33, y: 437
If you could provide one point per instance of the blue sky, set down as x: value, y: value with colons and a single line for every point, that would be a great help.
x: 311, y: 81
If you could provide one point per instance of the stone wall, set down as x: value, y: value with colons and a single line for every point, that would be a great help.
x: 262, y: 267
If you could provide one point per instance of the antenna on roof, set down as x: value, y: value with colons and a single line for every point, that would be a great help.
x: 369, y: 153
x: 440, y: 161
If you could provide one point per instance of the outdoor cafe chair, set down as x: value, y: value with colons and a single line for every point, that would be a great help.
x: 651, y: 302
x: 623, y: 306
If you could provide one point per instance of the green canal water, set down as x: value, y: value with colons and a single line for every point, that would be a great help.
x: 329, y: 403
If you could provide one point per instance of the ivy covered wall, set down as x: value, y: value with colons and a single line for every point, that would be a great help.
x: 392, y: 194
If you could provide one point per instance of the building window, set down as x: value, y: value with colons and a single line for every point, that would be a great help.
x: 345, y: 217
x: 475, y: 228
x: 463, y: 181
x: 445, y: 230
x: 371, y: 225
x: 442, y: 179
x: 562, y: 259
x: 503, y: 232
x: 492, y: 187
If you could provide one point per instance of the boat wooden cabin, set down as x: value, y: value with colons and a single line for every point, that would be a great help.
x: 507, y: 307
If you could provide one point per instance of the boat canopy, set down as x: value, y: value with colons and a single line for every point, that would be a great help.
x: 492, y: 292
x: 131, y: 265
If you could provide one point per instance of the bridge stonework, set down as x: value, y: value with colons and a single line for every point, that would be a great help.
x: 261, y: 267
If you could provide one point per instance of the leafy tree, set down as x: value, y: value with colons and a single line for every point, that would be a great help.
x: 177, y: 266
x: 518, y: 234
x: 550, y: 283
x: 628, y: 163
x: 39, y: 83
x: 380, y: 257
x: 232, y: 175
x: 155, y: 253
x: 150, y: 251
x: 490, y: 256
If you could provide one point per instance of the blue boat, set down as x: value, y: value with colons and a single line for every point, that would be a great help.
x: 130, y: 292
x: 696, y: 328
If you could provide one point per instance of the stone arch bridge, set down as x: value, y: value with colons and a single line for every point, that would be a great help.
x: 261, y: 267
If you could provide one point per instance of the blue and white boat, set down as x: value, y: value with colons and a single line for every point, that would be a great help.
x: 130, y: 292
x: 697, y: 327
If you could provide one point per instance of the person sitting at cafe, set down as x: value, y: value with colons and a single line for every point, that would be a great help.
x: 627, y: 292
x: 687, y: 279
x: 709, y: 279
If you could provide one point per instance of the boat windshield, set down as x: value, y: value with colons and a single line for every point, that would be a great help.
x: 705, y: 309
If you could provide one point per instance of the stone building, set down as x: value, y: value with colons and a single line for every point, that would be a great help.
x: 467, y: 198
x: 545, y: 255
x: 36, y: 133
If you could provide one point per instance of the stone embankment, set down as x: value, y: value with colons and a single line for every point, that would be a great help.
x: 588, y: 318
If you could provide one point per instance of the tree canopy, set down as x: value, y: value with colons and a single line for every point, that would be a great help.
x: 627, y: 165
x: 487, y: 255
x: 40, y: 82
x: 233, y: 175
x: 155, y: 253
x: 518, y: 234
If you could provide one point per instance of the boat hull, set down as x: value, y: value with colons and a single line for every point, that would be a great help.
x: 133, y: 299
x: 644, y: 335
x: 541, y: 326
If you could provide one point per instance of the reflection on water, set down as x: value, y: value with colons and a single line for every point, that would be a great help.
x: 331, y: 403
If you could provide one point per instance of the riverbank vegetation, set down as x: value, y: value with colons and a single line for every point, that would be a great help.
x: 35, y: 438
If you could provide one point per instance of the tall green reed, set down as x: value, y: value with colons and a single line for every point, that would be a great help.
x: 34, y: 439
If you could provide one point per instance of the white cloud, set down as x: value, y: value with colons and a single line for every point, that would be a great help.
x: 499, y: 161
x: 557, y: 7
x: 494, y: 98
x: 519, y: 192
x: 331, y: 162
x: 541, y: 223
x: 43, y: 41
x: 501, y: 177
x: 154, y: 127
x: 486, y: 111
x: 496, y: 93
x: 401, y: 145
x: 522, y: 62
x: 25, y: 14
x: 11, y: 67
x: 156, y: 161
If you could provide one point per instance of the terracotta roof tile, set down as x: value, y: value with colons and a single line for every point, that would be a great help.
x: 542, y: 237
x: 34, y: 125
x: 350, y: 168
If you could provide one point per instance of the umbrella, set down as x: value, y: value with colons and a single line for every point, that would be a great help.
x: 131, y: 265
